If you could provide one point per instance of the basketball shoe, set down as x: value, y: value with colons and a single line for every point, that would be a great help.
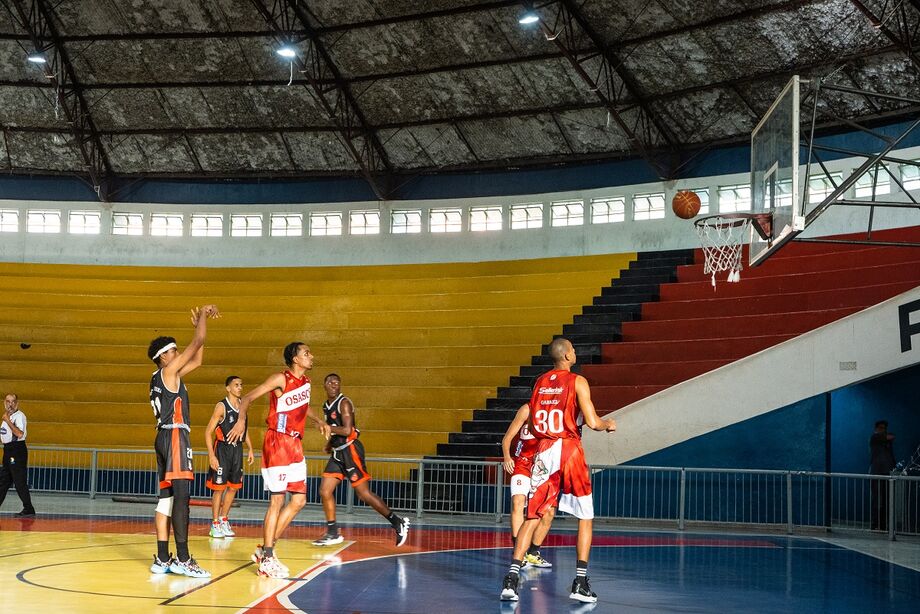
x: 189, y: 568
x: 225, y: 527
x: 271, y: 567
x: 581, y: 591
x: 537, y: 560
x: 329, y: 539
x: 216, y: 530
x: 161, y: 566
x: 510, y: 587
x: 402, y: 532
x: 258, y: 555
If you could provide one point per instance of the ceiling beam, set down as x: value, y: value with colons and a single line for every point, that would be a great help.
x: 906, y: 36
x: 36, y: 18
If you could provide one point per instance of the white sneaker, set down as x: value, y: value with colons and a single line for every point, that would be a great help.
x: 328, y: 539
x: 271, y: 567
x: 189, y: 568
x: 159, y: 566
x: 226, y: 529
x: 258, y: 555
x: 402, y: 532
x: 216, y: 531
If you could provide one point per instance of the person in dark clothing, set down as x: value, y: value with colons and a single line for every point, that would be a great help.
x: 881, y: 462
x: 15, y: 468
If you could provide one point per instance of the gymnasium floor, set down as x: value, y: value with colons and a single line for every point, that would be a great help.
x: 93, y: 556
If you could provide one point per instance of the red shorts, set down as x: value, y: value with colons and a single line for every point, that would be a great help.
x: 283, y: 466
x: 560, y: 478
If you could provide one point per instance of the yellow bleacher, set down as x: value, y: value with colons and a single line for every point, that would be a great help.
x: 418, y: 346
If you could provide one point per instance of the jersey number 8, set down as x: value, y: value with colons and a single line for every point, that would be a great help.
x: 548, y: 421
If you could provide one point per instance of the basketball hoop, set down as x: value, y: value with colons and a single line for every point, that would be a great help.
x: 722, y: 237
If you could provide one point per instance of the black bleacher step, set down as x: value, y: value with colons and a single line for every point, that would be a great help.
x: 642, y: 280
x: 665, y: 254
x: 658, y: 263
x: 576, y: 339
x: 647, y: 289
x: 496, y: 415
x: 590, y: 348
x: 485, y: 426
x: 633, y: 309
x: 605, y: 318
x: 475, y: 437
x: 622, y: 299
x: 505, y: 402
x: 523, y: 380
x: 469, y: 450
x: 514, y: 392
x: 533, y: 371
x: 602, y: 329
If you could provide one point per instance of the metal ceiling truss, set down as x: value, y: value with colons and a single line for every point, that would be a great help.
x: 899, y: 24
x: 331, y: 92
x: 603, y: 71
x: 36, y: 18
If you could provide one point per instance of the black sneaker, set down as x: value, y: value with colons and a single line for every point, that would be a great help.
x: 581, y: 591
x: 402, y: 532
x: 510, y: 587
x: 26, y: 514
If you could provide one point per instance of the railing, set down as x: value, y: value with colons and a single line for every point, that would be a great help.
x: 781, y: 500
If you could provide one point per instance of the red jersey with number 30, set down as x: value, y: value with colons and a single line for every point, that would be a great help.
x: 554, y: 414
x: 288, y: 413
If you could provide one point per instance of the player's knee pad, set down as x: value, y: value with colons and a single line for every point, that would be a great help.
x: 164, y: 506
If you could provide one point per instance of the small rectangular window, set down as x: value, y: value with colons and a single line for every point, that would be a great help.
x: 648, y: 206
x: 407, y: 221
x: 287, y: 225
x: 207, y: 225
x: 820, y: 187
x: 84, y: 222
x: 608, y: 210
x: 43, y: 221
x: 485, y: 218
x: 882, y: 183
x: 704, y: 201
x: 128, y: 224
x: 325, y: 224
x: 9, y: 220
x: 570, y: 213
x: 364, y: 222
x: 245, y: 225
x: 734, y: 198
x: 166, y: 225
x: 527, y: 216
x: 910, y: 176
x: 445, y: 220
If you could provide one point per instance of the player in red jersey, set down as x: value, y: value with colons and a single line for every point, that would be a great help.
x: 518, y: 449
x: 559, y: 405
x: 283, y: 466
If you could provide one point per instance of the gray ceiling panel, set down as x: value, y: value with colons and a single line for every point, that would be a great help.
x: 13, y: 64
x: 53, y: 152
x: 30, y: 107
x: 434, y: 146
x: 88, y: 17
x: 319, y: 151
x: 592, y: 131
x: 336, y: 12
x: 5, y: 162
x: 514, y: 138
x: 710, y: 115
x: 244, y: 153
x: 128, y: 109
x: 151, y: 153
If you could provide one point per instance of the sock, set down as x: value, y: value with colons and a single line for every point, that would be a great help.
x: 268, y: 551
x: 182, y: 551
x: 534, y: 549
x: 581, y: 569
x: 515, y: 568
x: 513, y: 540
x: 394, y: 520
x: 163, y: 550
x: 332, y: 528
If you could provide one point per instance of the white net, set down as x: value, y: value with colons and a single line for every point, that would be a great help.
x: 722, y: 239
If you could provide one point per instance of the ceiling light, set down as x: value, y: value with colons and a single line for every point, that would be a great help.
x: 528, y: 18
x: 286, y: 52
x: 36, y: 58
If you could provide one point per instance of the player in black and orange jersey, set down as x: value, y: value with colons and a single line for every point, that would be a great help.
x: 283, y: 467
x: 347, y: 463
x: 225, y: 475
x: 559, y: 405
x: 169, y: 399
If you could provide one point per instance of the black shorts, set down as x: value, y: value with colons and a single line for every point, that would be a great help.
x: 174, y: 457
x: 229, y: 472
x: 348, y: 462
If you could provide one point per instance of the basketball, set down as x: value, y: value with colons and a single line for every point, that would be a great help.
x: 686, y: 204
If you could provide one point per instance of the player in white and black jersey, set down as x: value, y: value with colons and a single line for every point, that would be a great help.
x: 225, y: 459
x: 169, y: 399
x: 347, y: 463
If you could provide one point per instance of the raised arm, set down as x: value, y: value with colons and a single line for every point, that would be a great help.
x: 216, y: 417
x: 274, y: 382
x: 583, y: 392
x: 521, y: 417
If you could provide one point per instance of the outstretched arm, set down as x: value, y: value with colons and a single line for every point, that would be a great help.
x: 522, y: 416
x: 274, y: 382
x: 583, y: 392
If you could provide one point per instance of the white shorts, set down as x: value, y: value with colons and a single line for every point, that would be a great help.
x: 520, y: 485
x: 278, y: 479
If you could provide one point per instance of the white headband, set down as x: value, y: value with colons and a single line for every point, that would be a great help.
x: 164, y: 349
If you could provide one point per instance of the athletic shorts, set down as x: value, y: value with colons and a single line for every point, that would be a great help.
x: 174, y: 457
x: 348, y: 462
x: 283, y: 466
x: 520, y: 477
x: 560, y: 478
x: 229, y: 473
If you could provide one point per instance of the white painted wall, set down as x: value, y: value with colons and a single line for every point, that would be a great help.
x: 466, y: 246
x: 797, y: 369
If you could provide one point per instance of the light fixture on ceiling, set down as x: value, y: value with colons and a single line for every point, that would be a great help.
x: 287, y: 52
x: 528, y: 18
x: 36, y: 58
